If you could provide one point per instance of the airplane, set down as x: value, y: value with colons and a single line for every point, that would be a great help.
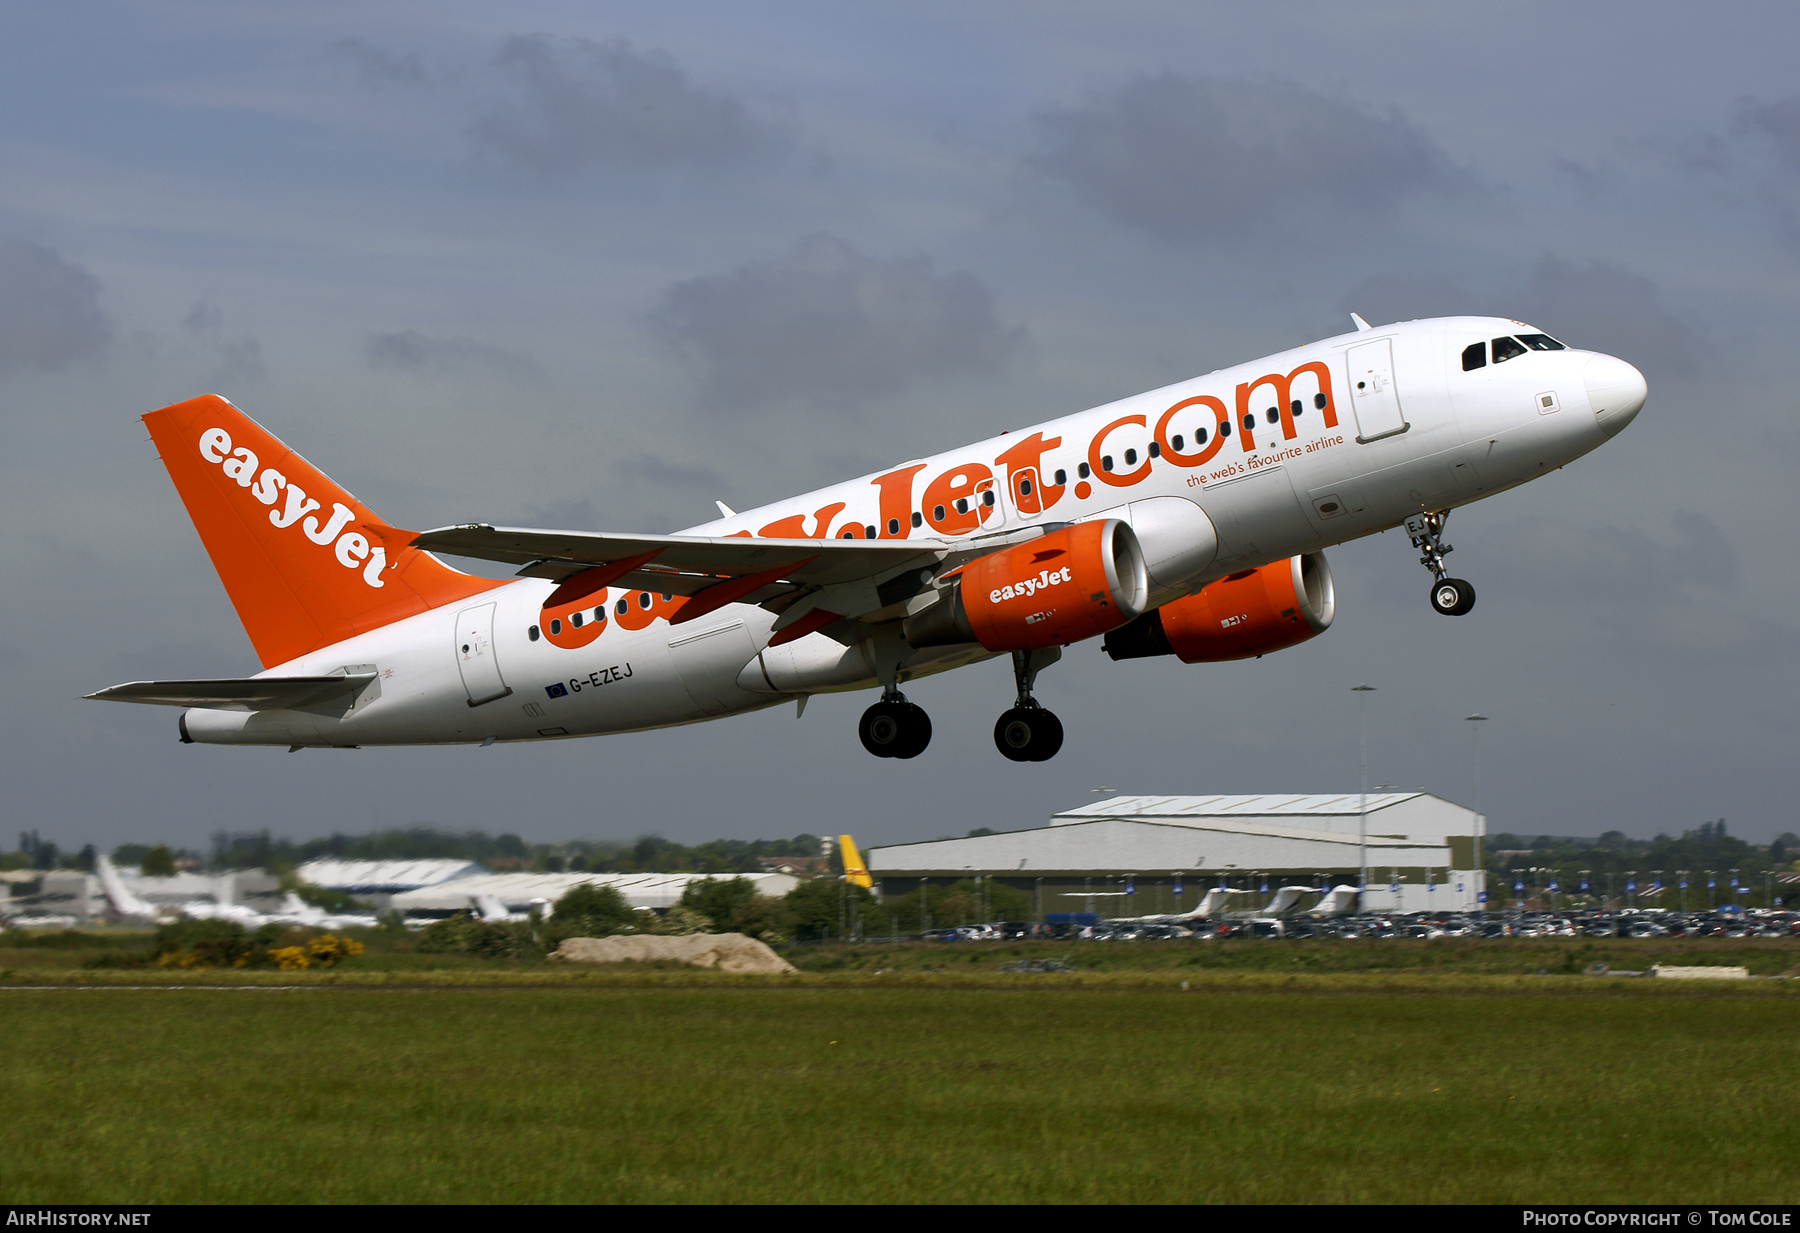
x: 294, y: 911
x: 1188, y: 521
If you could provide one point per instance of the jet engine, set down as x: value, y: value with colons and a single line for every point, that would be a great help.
x: 1240, y: 616
x: 1065, y: 586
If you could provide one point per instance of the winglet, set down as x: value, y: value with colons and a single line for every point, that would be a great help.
x: 1361, y: 325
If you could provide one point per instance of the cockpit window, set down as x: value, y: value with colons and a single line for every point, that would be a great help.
x: 1541, y: 342
x: 1474, y: 356
x: 1506, y: 349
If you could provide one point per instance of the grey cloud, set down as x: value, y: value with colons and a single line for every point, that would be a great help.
x: 1187, y: 158
x: 1597, y: 306
x: 1778, y: 123
x: 1388, y: 298
x: 409, y: 350
x: 204, y: 317
x: 1605, y: 307
x: 240, y: 360
x: 1613, y: 565
x: 660, y: 472
x: 49, y: 309
x: 563, y: 516
x: 828, y: 326
x: 581, y: 105
x: 377, y: 66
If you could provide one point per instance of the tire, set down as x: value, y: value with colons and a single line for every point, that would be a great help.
x: 1050, y: 736
x: 882, y: 729
x: 915, y: 731
x: 1028, y: 734
x: 1452, y: 597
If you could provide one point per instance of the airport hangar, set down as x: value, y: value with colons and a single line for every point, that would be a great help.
x: 1170, y: 850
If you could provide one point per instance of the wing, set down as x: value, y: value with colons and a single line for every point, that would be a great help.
x: 257, y: 693
x: 851, y: 577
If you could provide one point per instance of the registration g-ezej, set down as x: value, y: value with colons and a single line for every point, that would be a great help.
x: 1187, y: 521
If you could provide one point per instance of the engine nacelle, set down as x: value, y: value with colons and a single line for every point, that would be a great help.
x: 1065, y: 586
x: 1247, y: 614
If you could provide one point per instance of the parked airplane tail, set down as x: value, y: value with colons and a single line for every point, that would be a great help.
x: 855, y: 872
x: 304, y: 562
x: 119, y: 897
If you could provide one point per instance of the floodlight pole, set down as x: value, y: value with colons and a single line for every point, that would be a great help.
x: 1477, y: 874
x: 1362, y: 801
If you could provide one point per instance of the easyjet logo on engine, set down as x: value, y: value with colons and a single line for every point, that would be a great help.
x: 1030, y: 586
x: 351, y: 548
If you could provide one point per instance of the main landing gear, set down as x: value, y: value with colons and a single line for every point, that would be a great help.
x: 894, y: 727
x: 1028, y: 732
x: 1449, y: 596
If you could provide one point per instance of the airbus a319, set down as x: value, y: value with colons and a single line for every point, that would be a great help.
x: 1186, y: 521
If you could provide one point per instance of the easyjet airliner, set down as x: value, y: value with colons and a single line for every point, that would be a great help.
x: 1188, y: 521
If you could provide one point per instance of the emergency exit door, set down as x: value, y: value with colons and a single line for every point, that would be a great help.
x: 1373, y: 398
x: 475, y: 655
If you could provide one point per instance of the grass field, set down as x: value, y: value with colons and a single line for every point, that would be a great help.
x: 665, y: 1086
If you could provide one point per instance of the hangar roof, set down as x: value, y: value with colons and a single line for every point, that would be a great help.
x: 380, y: 876
x: 1138, y: 845
x: 1336, y: 804
x: 517, y: 890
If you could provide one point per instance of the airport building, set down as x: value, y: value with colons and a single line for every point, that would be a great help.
x: 1144, y: 855
x: 376, y: 883
x: 520, y: 892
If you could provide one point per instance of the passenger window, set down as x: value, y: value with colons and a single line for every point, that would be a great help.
x: 1180, y: 443
x: 1505, y: 349
x: 1106, y: 462
x: 600, y: 614
x: 937, y: 513
x: 1272, y: 414
x: 962, y: 505
x: 1199, y: 437
x: 1224, y: 429
x: 918, y: 519
x: 1541, y: 342
x: 575, y: 619
x: 1474, y: 356
x: 532, y: 633
x: 1249, y: 421
x: 1319, y: 401
x: 987, y: 498
x: 1082, y: 470
x: 1297, y: 408
x: 643, y: 599
x: 893, y: 526
x: 622, y: 605
x: 1155, y: 450
x: 555, y: 626
x: 1024, y: 486
x: 869, y: 531
x: 1131, y: 458
x: 1062, y: 477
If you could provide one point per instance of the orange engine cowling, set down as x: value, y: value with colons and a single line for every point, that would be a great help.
x: 1244, y: 615
x: 1065, y: 586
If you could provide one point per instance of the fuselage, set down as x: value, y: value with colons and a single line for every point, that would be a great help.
x: 1247, y: 465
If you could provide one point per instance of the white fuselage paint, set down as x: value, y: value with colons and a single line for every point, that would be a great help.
x: 1465, y: 436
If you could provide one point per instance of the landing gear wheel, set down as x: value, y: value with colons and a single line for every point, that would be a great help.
x: 915, y: 731
x: 897, y: 729
x: 881, y: 729
x: 1452, y: 596
x: 1028, y: 734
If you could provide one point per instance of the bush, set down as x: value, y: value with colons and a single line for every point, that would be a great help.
x: 719, y: 900
x: 765, y: 918
x: 462, y: 935
x: 591, y: 911
x: 815, y: 907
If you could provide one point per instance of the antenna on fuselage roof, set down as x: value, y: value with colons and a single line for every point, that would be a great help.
x: 725, y: 509
x: 1361, y: 325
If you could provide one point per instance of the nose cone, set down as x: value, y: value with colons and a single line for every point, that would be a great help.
x: 1615, y: 390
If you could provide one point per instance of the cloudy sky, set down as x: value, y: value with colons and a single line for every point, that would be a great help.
x: 599, y: 264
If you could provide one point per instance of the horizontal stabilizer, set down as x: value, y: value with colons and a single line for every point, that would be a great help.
x: 257, y: 693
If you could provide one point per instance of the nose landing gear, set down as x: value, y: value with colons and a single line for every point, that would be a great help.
x: 1028, y: 732
x: 1449, y: 596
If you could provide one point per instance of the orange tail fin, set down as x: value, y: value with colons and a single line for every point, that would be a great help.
x: 305, y: 563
